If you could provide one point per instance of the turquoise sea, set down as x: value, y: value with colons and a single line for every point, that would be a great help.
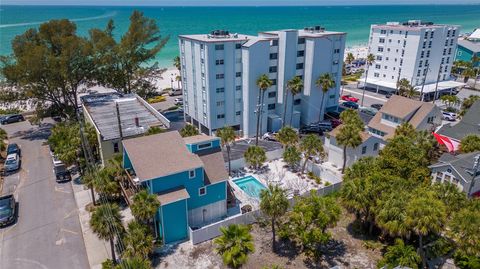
x: 355, y: 20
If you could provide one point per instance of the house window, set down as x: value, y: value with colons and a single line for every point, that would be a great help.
x: 375, y: 147
x: 202, y: 191
x: 364, y: 149
x: 301, y: 41
x: 274, y: 82
x: 219, y: 47
x: 220, y: 90
x: 115, y: 147
x: 238, y: 46
x: 297, y: 102
x: 204, y: 146
x: 220, y: 76
x: 273, y: 56
x: 380, y: 49
x: 272, y: 94
x: 219, y: 62
x: 274, y: 43
x: 381, y: 40
x: 221, y: 116
x: 220, y: 103
x: 238, y: 113
x: 191, y: 173
x: 271, y: 106
x: 238, y: 87
x: 300, y: 53
x: 272, y: 69
x: 336, y: 51
x: 299, y: 66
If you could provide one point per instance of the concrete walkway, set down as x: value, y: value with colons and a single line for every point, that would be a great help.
x: 97, y: 250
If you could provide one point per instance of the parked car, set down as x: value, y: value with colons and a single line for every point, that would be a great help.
x: 388, y: 95
x: 8, y: 208
x: 61, y: 172
x: 270, y: 136
x: 174, y: 92
x: 326, y: 125
x: 450, y: 116
x: 14, y: 148
x: 351, y: 105
x: 12, y: 119
x: 12, y: 163
x: 178, y: 101
x: 311, y: 129
x: 368, y: 110
x: 335, y: 122
x: 349, y: 98
x: 377, y: 106
x: 332, y: 115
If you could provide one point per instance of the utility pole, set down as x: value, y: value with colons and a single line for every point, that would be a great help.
x: 436, y: 84
x: 424, y: 79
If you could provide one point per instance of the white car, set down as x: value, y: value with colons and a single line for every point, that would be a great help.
x: 178, y: 101
x: 450, y: 116
x: 269, y: 136
x: 368, y: 110
x: 12, y: 163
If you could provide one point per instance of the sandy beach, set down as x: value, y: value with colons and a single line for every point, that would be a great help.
x: 359, y: 51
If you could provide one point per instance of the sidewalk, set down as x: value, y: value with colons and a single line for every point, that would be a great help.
x: 97, y: 250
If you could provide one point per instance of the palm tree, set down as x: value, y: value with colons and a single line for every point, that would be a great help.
x: 311, y: 145
x: 106, y: 222
x: 411, y: 92
x: 295, y: 86
x: 369, y: 61
x: 89, y: 179
x: 134, y: 262
x: 189, y: 130
x: 349, y: 133
x: 274, y: 204
x: 144, y: 206
x: 468, y: 73
x: 255, y: 156
x: 292, y: 156
x: 263, y: 83
x: 402, y: 86
x: 325, y: 82
x: 426, y: 214
x: 138, y: 241
x: 350, y: 58
x: 287, y: 136
x: 470, y: 143
x: 227, y: 136
x: 400, y: 255
x: 176, y: 62
x: 234, y: 244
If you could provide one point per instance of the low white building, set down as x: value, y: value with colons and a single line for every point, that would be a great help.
x: 220, y: 72
x: 370, y: 147
x: 421, y: 52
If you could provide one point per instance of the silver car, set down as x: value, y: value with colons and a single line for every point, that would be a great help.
x: 12, y: 163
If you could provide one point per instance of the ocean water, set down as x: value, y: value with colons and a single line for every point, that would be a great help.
x: 355, y: 20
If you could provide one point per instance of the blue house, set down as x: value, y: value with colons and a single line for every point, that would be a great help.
x: 188, y: 176
x: 469, y: 47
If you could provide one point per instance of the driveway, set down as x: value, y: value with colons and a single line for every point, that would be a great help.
x: 47, y: 234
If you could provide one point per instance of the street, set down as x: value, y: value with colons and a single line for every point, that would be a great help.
x: 370, y: 97
x: 47, y: 234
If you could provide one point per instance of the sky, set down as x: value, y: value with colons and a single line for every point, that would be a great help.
x: 230, y: 2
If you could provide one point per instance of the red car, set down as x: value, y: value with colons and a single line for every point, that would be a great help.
x: 349, y: 98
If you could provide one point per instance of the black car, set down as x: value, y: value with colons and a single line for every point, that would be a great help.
x: 309, y: 129
x: 332, y: 115
x: 61, y: 173
x: 350, y: 104
x: 377, y: 106
x: 7, y: 210
x: 388, y: 95
x: 12, y: 118
x: 14, y: 148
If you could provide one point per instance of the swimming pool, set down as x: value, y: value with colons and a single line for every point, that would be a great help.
x: 250, y: 185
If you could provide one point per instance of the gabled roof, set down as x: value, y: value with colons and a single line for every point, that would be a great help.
x: 462, y: 163
x: 400, y: 107
x: 160, y: 155
x: 470, y: 124
x: 102, y: 109
x: 198, y: 139
x: 214, y: 166
x: 172, y: 196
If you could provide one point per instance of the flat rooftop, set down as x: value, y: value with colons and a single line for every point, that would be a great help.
x: 411, y: 25
x: 224, y: 38
x: 136, y: 115
x: 305, y: 33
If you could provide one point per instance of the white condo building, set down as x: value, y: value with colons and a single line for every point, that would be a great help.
x: 414, y: 50
x: 220, y: 70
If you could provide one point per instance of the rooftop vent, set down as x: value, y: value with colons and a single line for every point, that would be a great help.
x: 219, y: 34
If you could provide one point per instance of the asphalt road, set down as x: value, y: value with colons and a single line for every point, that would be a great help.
x: 370, y: 97
x: 47, y: 234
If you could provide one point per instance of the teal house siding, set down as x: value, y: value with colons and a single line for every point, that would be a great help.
x: 174, y: 223
x: 127, y: 164
x: 464, y: 54
x: 198, y: 147
x: 215, y: 192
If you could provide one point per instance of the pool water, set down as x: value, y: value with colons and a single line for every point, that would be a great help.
x: 250, y: 185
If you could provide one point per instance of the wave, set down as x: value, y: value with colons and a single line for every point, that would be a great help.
x: 106, y: 15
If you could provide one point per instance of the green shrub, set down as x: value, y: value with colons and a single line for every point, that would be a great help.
x: 310, y: 175
x: 318, y: 180
x: 327, y: 184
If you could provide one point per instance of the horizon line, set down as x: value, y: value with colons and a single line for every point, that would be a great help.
x: 283, y: 5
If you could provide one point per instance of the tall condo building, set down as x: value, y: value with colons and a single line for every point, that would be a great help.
x: 220, y: 72
x: 421, y: 52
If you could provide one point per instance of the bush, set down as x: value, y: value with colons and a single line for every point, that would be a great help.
x: 156, y: 99
x: 310, y: 175
x: 327, y: 184
x: 318, y: 180
x: 451, y: 109
x: 9, y: 111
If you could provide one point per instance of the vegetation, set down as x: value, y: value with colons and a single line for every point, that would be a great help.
x: 350, y: 58
x: 145, y: 206
x: 154, y: 130
x: 468, y: 102
x: 324, y: 82
x: 227, y: 136
x: 368, y: 62
x: 310, y: 145
x: 470, y: 143
x: 255, y: 156
x: 106, y: 222
x: 135, y: 262
x: 263, y: 83
x: 294, y: 86
x: 189, y: 130
x: 274, y: 204
x: 292, y: 156
x: 306, y: 224
x: 234, y: 244
x: 287, y: 136
x: 349, y: 132
x: 138, y: 241
x: 400, y: 255
x: 449, y: 100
